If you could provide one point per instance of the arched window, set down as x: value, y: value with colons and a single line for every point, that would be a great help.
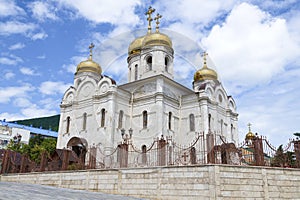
x: 136, y: 72
x: 68, y: 125
x: 192, y: 122
x: 149, y: 62
x: 145, y: 119
x: 170, y: 121
x: 120, y: 124
x: 166, y: 63
x: 84, y: 121
x: 130, y: 74
x: 102, y: 117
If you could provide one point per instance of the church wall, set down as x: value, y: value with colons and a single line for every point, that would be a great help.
x: 182, y: 182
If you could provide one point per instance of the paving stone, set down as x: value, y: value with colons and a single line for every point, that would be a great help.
x: 21, y: 191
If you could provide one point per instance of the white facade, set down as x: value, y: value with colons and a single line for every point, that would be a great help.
x: 95, y: 109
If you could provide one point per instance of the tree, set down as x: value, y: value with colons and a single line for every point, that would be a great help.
x: 37, y: 145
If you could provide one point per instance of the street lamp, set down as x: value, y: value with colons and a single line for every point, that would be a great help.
x: 125, y: 136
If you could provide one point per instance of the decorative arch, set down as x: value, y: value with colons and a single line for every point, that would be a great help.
x: 79, y: 146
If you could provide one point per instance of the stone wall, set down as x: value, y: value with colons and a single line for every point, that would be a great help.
x: 186, y: 182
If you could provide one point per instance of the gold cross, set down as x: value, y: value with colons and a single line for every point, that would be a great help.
x: 149, y: 19
x: 91, y: 50
x: 204, y: 58
x: 158, y: 16
x: 249, y: 125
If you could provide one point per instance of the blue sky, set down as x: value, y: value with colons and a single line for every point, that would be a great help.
x: 253, y: 45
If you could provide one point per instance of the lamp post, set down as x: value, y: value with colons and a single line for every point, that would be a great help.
x: 126, y: 137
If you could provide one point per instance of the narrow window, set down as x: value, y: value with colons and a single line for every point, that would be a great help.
x: 120, y: 119
x: 166, y: 64
x: 209, y: 121
x: 149, y: 62
x: 130, y: 74
x: 102, y: 117
x: 145, y: 119
x: 68, y: 125
x: 192, y: 122
x: 222, y: 126
x: 84, y: 121
x: 136, y: 72
x: 144, y: 154
x: 170, y: 121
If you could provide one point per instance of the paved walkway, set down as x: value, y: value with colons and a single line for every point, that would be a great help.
x: 21, y: 191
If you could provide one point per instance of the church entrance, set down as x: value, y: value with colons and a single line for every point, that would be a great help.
x: 79, y: 147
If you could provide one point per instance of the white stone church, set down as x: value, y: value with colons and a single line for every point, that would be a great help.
x: 96, y: 111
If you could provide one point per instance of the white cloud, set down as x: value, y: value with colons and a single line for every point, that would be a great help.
x: 7, y: 93
x: 17, y: 46
x: 9, y: 8
x: 9, y: 75
x: 16, y: 27
x: 251, y: 46
x: 52, y: 88
x: 41, y: 57
x: 39, y: 36
x: 42, y: 11
x: 102, y: 11
x: 22, y: 102
x: 10, y: 60
x: 28, y: 71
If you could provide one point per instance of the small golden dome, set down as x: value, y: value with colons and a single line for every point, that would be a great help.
x: 157, y: 38
x: 205, y: 73
x: 136, y: 45
x: 89, y: 65
x: 249, y: 136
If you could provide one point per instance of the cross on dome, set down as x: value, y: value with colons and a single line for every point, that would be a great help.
x: 149, y: 19
x: 91, y: 50
x: 158, y: 16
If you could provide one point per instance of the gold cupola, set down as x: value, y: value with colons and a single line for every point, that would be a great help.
x: 150, y: 39
x: 249, y: 135
x: 136, y: 46
x: 205, y: 73
x: 156, y: 38
x: 89, y: 65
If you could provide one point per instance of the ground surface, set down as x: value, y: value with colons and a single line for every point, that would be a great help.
x: 20, y: 191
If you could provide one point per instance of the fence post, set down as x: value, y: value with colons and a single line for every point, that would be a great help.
x: 210, y: 143
x: 297, y: 152
x: 258, y: 151
x: 161, y: 153
x: 5, y: 162
x: 65, y: 161
x: 23, y: 163
x: 92, y: 158
x: 43, y: 161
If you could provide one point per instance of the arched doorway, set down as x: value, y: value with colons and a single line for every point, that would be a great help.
x: 79, y: 146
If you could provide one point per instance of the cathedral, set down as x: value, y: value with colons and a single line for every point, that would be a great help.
x: 97, y: 112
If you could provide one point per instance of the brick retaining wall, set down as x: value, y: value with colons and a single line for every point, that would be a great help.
x: 185, y: 182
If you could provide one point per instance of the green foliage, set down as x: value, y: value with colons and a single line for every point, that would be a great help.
x: 46, y: 122
x: 37, y: 145
x: 282, y: 159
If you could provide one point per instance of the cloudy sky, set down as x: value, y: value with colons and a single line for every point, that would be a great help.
x: 253, y: 45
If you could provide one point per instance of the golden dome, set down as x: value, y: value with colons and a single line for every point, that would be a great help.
x: 136, y: 45
x: 89, y: 65
x: 205, y: 73
x: 249, y: 136
x: 157, y: 38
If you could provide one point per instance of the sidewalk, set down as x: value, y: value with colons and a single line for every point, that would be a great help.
x: 20, y: 191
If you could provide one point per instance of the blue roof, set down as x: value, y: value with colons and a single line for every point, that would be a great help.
x: 34, y: 130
